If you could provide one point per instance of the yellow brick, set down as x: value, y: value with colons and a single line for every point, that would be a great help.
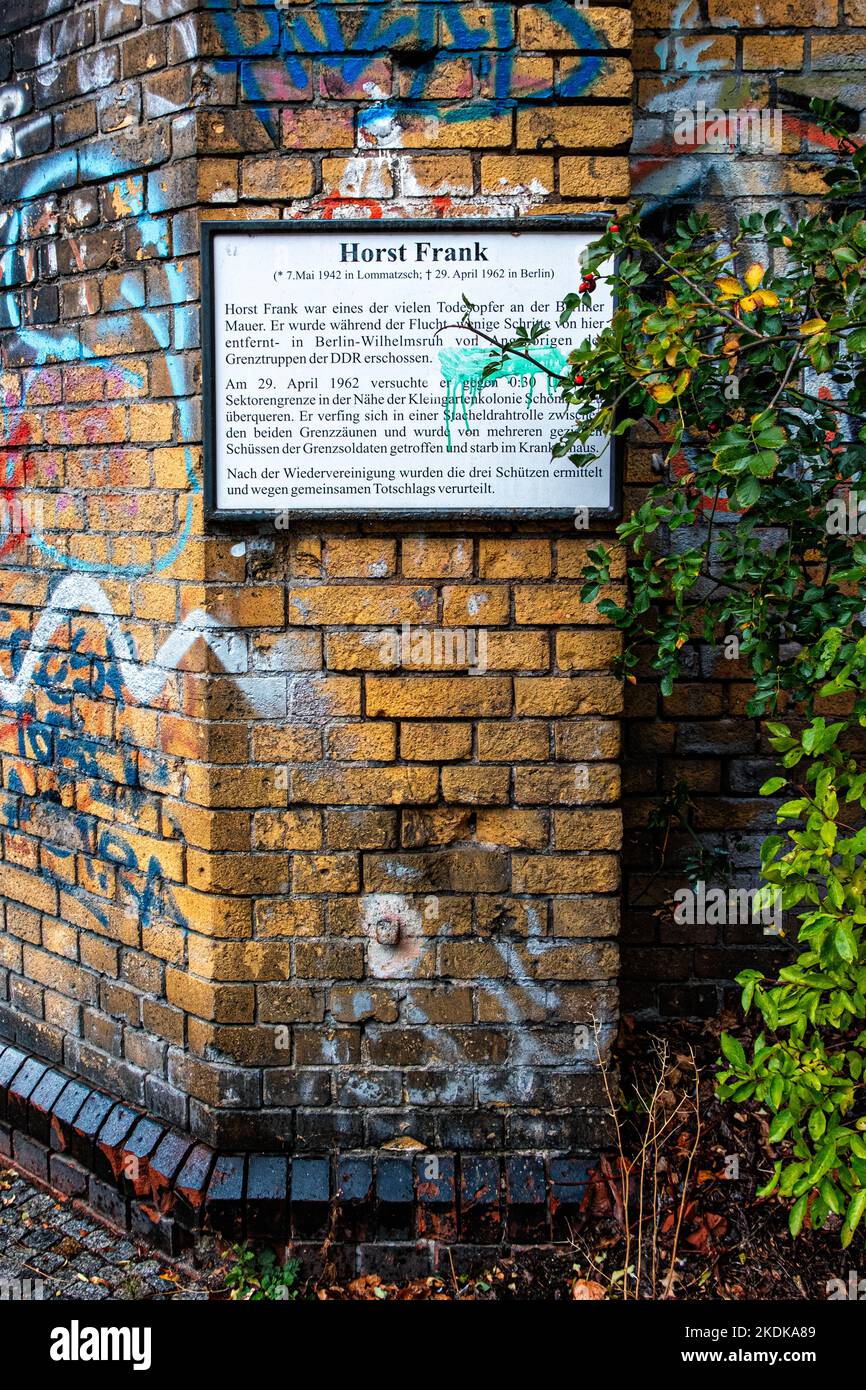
x: 377, y: 650
x: 514, y: 559
x: 614, y: 78
x: 360, y: 559
x: 556, y: 604
x: 435, y: 742
x: 151, y: 422
x: 580, y: 740
x: 517, y: 174
x: 212, y: 830
x: 562, y: 873
x: 99, y: 425
x: 255, y: 605
x: 436, y: 558
x: 362, y: 176
x: 528, y: 75
x: 474, y: 605
x: 566, y: 784
x: 221, y: 1003
x: 593, y: 176
x: 232, y: 787
x: 516, y: 651
x: 469, y: 785
x: 438, y: 697
x: 276, y: 176
x: 338, y: 604
x: 443, y: 78
x: 325, y: 873
x: 538, y: 29
x: 521, y: 740
x: 286, y: 744
x: 772, y: 14
x: 432, y: 175
x: 156, y: 602
x: 364, y: 786
x: 587, y: 830
x: 144, y: 848
x: 238, y: 960
x: 512, y: 829
x: 290, y: 917
x: 319, y: 697
x: 171, y: 466
x: 773, y: 52
x: 318, y: 128
x: 288, y: 829
x: 572, y: 556
x: 588, y: 650
x: 558, y: 695
x: 237, y: 874
x: 217, y: 180
x: 370, y: 741
x: 575, y: 127
x: 489, y: 129
x: 588, y: 917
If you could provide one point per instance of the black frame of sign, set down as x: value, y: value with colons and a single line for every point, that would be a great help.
x: 557, y: 226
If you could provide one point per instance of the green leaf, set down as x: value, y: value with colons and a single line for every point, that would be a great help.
x: 853, y: 1216
x: 747, y: 491
x: 733, y: 1050
x: 798, y: 1214
x: 772, y: 784
x: 780, y: 1126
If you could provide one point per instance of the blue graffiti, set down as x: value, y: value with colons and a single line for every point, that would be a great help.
x: 53, y: 175
x: 330, y: 32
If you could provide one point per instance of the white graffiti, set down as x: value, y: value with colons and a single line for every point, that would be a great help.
x: 80, y: 594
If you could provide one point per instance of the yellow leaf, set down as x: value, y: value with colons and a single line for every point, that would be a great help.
x: 730, y: 288
x: 749, y: 303
x: 671, y: 300
x: 682, y: 381
x: 766, y: 298
x: 812, y: 326
x: 662, y: 393
x: 671, y: 356
x: 754, y: 275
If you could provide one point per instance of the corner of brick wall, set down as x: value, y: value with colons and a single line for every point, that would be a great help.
x: 728, y: 54
x: 211, y: 783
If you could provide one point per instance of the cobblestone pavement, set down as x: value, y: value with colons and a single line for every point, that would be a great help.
x: 44, y: 1241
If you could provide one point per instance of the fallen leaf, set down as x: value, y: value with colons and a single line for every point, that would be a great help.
x: 586, y: 1289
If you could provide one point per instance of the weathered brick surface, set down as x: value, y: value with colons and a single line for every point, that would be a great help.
x: 268, y: 876
x: 729, y: 55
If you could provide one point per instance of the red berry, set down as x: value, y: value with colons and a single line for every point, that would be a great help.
x: 614, y: 227
x: 579, y: 379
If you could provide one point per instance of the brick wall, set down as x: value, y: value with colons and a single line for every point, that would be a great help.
x: 729, y: 54
x: 256, y: 878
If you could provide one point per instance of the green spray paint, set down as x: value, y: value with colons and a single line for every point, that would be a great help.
x: 462, y: 370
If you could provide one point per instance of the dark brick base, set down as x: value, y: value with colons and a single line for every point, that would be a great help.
x: 386, y: 1211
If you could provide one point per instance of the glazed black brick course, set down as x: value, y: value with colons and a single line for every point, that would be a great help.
x: 402, y: 1205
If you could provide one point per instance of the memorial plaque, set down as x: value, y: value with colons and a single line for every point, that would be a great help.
x: 340, y: 381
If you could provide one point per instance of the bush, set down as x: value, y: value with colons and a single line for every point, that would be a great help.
x: 744, y: 362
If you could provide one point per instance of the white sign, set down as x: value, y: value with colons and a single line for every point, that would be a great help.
x: 342, y: 381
